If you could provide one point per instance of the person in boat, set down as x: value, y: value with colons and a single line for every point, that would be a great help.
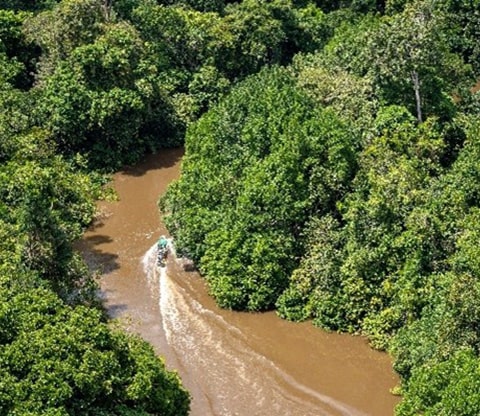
x: 162, y: 243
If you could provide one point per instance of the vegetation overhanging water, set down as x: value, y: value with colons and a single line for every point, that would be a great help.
x: 329, y: 173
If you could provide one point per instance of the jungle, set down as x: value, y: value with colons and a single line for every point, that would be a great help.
x: 330, y: 173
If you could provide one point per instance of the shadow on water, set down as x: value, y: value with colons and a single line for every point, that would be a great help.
x: 165, y: 158
x: 189, y: 267
x: 97, y: 223
x: 98, y: 260
x: 115, y: 310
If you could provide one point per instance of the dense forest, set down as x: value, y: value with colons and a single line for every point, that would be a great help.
x: 331, y: 173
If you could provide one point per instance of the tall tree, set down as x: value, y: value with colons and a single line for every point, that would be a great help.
x: 411, y: 50
x: 60, y: 30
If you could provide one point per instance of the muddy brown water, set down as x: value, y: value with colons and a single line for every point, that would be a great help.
x: 232, y: 363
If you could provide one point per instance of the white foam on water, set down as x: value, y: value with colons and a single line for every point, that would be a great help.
x: 226, y: 367
x: 149, y: 261
x: 148, y: 264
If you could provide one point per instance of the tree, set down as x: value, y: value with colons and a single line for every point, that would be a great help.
x: 59, y: 31
x: 258, y: 37
x: 351, y: 96
x: 28, y: 5
x: 411, y: 50
x: 19, y: 55
x: 61, y: 360
x: 348, y: 276
x: 256, y: 166
x: 106, y: 101
x: 48, y: 204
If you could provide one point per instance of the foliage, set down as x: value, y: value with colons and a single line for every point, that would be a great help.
x: 114, y: 89
x: 465, y: 17
x: 250, y: 178
x: 57, y: 356
x: 413, y: 45
x: 48, y: 204
x: 258, y: 35
x: 349, y: 280
x: 446, y: 333
x: 105, y: 101
x: 352, y: 97
x: 16, y: 54
x: 28, y: 5
x: 450, y: 387
x: 200, y: 5
x: 59, y: 360
x: 363, y: 6
x: 341, y: 188
x: 60, y: 30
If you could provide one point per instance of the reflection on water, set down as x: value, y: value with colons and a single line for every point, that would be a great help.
x: 232, y: 363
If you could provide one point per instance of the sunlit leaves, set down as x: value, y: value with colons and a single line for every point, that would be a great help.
x: 60, y: 30
x: 256, y: 166
x: 411, y: 58
x: 348, y: 277
x: 352, y: 97
x: 450, y: 387
x: 105, y: 101
x: 60, y: 360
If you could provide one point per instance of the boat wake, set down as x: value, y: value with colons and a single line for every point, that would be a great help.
x: 221, y: 364
x: 148, y: 264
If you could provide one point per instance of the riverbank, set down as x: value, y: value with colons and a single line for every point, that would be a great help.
x: 232, y: 363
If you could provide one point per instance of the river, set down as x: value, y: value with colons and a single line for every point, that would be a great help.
x: 232, y: 363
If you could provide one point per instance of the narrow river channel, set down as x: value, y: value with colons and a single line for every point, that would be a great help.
x: 232, y: 363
